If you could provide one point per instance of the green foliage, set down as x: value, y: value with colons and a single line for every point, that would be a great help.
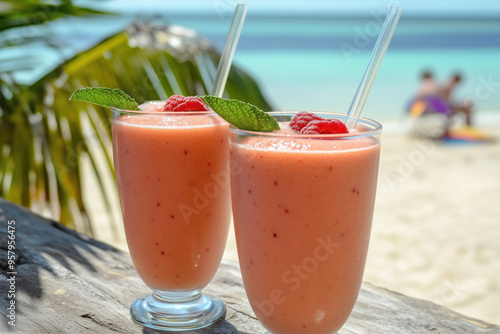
x: 28, y: 13
x: 44, y: 138
x: 105, y: 97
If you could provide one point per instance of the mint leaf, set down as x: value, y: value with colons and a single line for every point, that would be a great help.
x: 105, y: 97
x: 242, y: 115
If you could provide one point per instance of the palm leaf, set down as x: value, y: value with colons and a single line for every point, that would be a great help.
x: 37, y: 12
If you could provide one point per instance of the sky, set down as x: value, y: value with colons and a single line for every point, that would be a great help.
x: 415, y: 7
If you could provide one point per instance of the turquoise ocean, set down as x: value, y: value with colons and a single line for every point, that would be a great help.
x: 315, y: 62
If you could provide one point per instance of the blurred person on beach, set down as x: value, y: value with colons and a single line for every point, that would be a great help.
x: 457, y: 108
x: 429, y: 98
x: 433, y: 99
x: 428, y: 86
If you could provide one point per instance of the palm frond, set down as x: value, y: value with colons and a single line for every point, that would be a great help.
x: 37, y: 12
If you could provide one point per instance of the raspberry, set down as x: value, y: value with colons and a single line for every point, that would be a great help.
x: 308, y: 123
x: 302, y: 119
x: 324, y: 126
x: 184, y: 103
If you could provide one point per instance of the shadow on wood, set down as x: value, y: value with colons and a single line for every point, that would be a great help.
x: 65, y: 282
x: 221, y: 327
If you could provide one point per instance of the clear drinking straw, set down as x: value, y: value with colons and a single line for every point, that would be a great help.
x: 378, y: 53
x: 229, y: 49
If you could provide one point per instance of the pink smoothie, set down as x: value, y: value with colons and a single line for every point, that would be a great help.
x: 172, y: 175
x: 302, y: 211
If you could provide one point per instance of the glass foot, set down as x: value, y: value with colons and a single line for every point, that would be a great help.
x: 177, y: 311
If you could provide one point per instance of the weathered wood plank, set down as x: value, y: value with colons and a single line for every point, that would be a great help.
x: 70, y: 283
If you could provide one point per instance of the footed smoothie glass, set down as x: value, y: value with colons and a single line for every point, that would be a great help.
x: 172, y: 173
x: 302, y: 208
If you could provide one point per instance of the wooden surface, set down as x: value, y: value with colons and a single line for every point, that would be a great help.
x: 70, y: 283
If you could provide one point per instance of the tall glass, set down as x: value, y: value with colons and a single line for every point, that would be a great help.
x: 172, y: 173
x: 302, y: 208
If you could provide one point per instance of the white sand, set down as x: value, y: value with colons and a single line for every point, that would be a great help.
x: 436, y: 232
